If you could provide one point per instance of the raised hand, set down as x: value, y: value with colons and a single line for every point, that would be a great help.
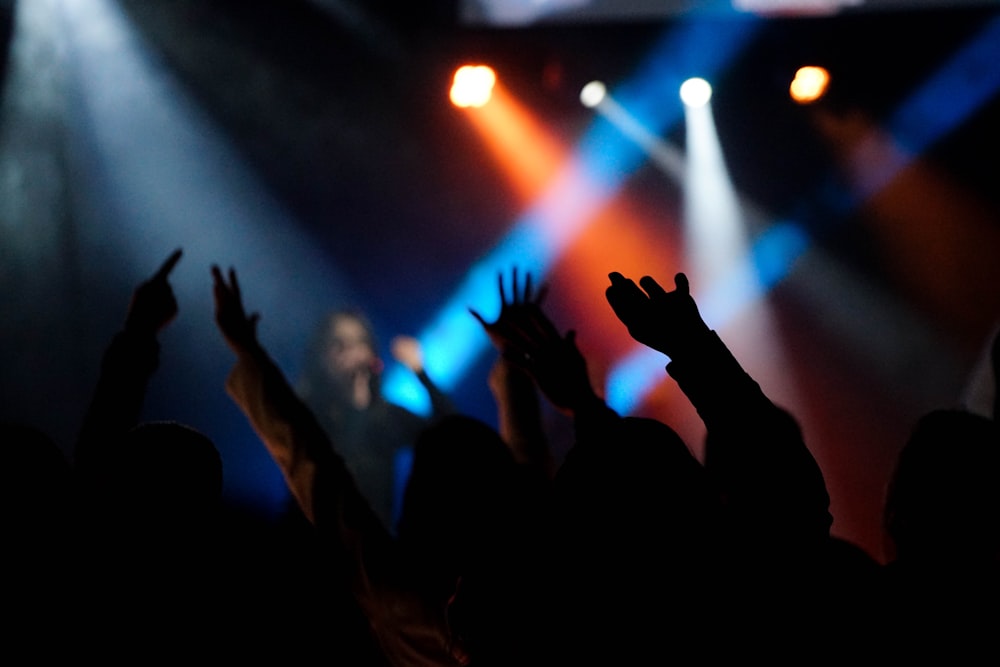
x: 408, y: 351
x: 521, y: 311
x: 526, y: 336
x: 239, y: 329
x: 664, y: 321
x: 153, y: 305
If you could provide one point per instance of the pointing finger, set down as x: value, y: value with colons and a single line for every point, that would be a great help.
x: 168, y: 265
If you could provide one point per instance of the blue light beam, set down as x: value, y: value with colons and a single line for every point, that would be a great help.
x: 602, y: 161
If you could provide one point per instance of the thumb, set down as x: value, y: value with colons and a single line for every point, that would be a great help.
x: 681, y: 281
x: 476, y: 315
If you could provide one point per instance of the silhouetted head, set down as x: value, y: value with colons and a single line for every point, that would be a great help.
x: 772, y: 487
x: 35, y: 477
x: 644, y: 475
x: 37, y: 520
x: 943, y: 500
x: 469, y: 522
x: 673, y: 507
x: 162, y: 474
x: 461, y: 485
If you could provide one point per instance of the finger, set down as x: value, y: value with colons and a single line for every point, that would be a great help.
x: 234, y: 284
x: 503, y: 293
x: 479, y: 317
x: 513, y: 355
x: 527, y: 287
x: 217, y: 281
x: 626, y: 300
x: 681, y: 281
x: 516, y: 296
x: 622, y: 291
x: 653, y: 288
x: 543, y: 291
x: 168, y: 266
x: 622, y: 285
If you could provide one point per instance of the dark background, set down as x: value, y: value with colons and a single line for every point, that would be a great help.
x: 312, y: 146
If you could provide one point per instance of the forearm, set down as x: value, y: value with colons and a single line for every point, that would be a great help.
x: 519, y: 420
x: 441, y: 403
x: 316, y: 476
x: 716, y: 384
x: 328, y: 496
x: 754, y: 448
x: 116, y: 405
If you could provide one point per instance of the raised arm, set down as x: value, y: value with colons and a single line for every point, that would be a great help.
x: 526, y: 336
x: 669, y: 322
x: 408, y: 631
x: 755, y: 448
x: 127, y: 366
x: 314, y: 473
x: 518, y: 407
x: 408, y: 351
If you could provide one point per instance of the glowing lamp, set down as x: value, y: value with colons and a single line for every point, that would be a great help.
x: 810, y: 84
x: 592, y: 94
x: 696, y: 92
x: 472, y: 85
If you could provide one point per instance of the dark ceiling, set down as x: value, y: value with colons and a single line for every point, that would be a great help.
x: 348, y: 120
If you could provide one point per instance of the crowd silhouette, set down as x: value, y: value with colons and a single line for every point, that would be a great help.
x: 627, y: 550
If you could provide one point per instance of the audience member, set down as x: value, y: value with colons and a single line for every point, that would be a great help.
x: 942, y: 521
x: 634, y: 519
x: 36, y: 501
x: 775, y: 505
x: 164, y: 566
x: 519, y: 415
x: 144, y: 480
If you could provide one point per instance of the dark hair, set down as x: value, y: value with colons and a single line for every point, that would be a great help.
x: 468, y: 520
x: 315, y: 385
x: 35, y: 475
x: 460, y: 483
x: 174, y: 459
x: 943, y: 493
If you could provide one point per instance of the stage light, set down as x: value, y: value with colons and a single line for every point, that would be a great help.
x: 696, y: 92
x: 472, y: 85
x: 593, y: 94
x: 810, y: 84
x: 128, y: 105
x: 592, y: 175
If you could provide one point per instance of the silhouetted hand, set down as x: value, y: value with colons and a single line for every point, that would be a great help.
x: 525, y: 335
x: 407, y: 351
x: 239, y: 329
x: 664, y: 321
x: 514, y: 313
x: 153, y: 305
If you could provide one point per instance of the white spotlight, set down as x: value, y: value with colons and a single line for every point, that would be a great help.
x: 696, y: 92
x: 592, y: 94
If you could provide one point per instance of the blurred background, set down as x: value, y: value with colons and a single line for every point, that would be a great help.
x: 845, y: 247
